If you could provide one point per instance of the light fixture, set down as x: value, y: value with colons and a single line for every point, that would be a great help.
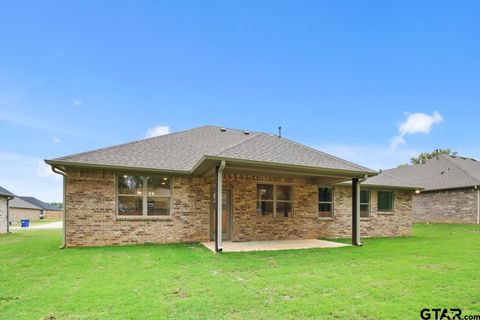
x: 125, y: 176
x: 165, y: 179
x: 417, y: 191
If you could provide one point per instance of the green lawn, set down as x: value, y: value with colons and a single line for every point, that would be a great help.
x: 386, y: 279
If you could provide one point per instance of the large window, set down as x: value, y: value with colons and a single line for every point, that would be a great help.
x: 364, y: 203
x: 325, y: 202
x: 385, y: 201
x: 143, y: 195
x: 274, y: 200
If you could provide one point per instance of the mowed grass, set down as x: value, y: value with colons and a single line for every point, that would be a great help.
x: 391, y: 278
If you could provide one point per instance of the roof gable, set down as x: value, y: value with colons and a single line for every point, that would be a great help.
x: 182, y: 151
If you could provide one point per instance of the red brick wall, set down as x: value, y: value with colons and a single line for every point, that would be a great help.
x: 91, y: 217
x: 305, y: 223
x: 3, y: 214
x: 17, y: 214
x: 448, y: 206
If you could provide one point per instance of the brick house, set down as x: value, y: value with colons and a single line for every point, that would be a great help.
x: 451, y: 189
x: 20, y: 209
x: 5, y: 197
x: 48, y: 211
x: 224, y: 184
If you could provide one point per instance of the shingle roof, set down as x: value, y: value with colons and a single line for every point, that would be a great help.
x: 385, y: 180
x: 20, y: 203
x: 446, y: 172
x: 40, y: 204
x: 182, y: 151
x: 5, y: 192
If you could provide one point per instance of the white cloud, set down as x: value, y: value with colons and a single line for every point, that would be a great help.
x: 29, y: 176
x: 415, y: 123
x: 56, y: 140
x: 77, y: 102
x: 157, y: 131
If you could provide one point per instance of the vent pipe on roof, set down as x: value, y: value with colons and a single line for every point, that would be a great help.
x: 279, y: 132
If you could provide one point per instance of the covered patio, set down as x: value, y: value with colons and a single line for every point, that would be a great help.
x: 229, y: 246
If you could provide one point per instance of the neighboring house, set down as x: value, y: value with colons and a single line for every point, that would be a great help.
x: 49, y: 211
x: 5, y: 197
x: 20, y: 209
x: 165, y: 189
x: 451, y: 189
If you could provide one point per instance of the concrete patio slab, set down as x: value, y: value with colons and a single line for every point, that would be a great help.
x: 229, y: 246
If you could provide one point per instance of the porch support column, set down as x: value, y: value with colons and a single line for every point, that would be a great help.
x: 218, y: 209
x: 356, y: 212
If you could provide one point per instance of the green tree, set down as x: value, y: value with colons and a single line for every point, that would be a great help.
x: 424, y: 156
x: 57, y: 204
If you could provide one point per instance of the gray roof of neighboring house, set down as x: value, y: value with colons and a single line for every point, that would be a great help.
x: 383, y: 179
x: 22, y: 204
x: 40, y: 204
x: 5, y: 192
x: 444, y: 172
x: 184, y: 150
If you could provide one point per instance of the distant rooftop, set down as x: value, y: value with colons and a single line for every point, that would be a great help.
x: 22, y: 204
x: 442, y: 172
x: 40, y: 204
x: 5, y: 192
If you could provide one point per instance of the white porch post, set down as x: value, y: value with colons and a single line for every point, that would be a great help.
x: 219, y: 211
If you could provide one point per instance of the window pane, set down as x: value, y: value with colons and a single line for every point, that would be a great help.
x: 130, y: 206
x: 325, y: 194
x: 364, y: 210
x: 325, y: 210
x: 264, y: 192
x: 130, y: 184
x: 385, y: 201
x: 265, y: 207
x: 284, y: 209
x: 158, y: 206
x: 158, y: 186
x: 364, y: 196
x: 284, y: 193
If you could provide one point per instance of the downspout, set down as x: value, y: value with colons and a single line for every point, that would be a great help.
x: 478, y: 203
x: 218, y: 216
x: 8, y: 214
x: 356, y: 212
x: 64, y: 174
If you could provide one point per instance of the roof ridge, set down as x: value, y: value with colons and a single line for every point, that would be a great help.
x: 238, y: 143
x: 327, y: 154
x: 400, y: 180
x: 130, y: 142
x: 449, y: 159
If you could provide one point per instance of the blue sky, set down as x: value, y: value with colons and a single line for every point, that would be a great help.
x: 371, y: 81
